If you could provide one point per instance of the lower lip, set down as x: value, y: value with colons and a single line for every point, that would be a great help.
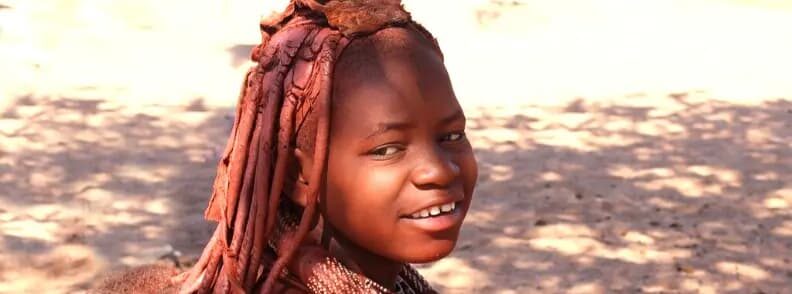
x: 438, y: 223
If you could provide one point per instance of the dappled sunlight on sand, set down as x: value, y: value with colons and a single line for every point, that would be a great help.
x: 58, y: 268
x: 693, y: 200
x: 455, y: 273
x: 623, y: 147
x: 97, y: 197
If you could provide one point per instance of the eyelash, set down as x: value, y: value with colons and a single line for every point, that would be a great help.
x: 461, y: 135
x: 387, y: 151
x: 381, y: 152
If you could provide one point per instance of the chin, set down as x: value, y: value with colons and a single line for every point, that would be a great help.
x: 431, y: 252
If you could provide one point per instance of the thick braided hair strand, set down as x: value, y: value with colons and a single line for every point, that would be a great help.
x: 291, y: 82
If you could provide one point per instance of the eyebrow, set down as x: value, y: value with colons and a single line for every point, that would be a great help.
x: 390, y: 126
x: 453, y: 117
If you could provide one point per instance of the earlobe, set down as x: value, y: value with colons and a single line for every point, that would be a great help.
x: 304, y: 164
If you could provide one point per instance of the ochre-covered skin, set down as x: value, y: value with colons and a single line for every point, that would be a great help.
x: 293, y: 77
x: 278, y: 151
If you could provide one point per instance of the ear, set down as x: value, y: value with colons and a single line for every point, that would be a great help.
x: 304, y: 167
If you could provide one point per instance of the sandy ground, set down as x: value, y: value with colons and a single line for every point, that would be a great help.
x: 622, y: 148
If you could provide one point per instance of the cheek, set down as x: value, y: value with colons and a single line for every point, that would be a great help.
x: 469, y: 172
x: 384, y: 182
x: 465, y: 158
x: 356, y: 191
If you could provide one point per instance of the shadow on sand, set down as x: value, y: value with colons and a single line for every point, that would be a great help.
x: 588, y: 197
x: 86, y: 185
x: 594, y: 198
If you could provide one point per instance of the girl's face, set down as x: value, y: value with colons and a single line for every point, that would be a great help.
x: 400, y: 171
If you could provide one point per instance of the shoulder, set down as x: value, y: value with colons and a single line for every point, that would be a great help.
x: 142, y: 279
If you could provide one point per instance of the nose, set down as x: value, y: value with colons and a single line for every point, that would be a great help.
x: 435, y: 170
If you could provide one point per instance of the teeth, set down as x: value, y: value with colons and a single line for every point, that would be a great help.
x: 435, y: 210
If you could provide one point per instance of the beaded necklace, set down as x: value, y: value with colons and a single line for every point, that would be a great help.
x: 333, y: 277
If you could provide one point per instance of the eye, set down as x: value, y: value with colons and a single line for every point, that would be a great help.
x: 452, y: 137
x: 385, y: 152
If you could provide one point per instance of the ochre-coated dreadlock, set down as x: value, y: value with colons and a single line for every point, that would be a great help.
x: 284, y: 100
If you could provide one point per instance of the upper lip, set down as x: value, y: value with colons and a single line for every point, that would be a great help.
x: 433, y: 202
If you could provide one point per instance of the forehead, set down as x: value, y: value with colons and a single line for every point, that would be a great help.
x: 394, y: 73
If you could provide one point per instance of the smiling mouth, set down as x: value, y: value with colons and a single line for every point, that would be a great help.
x: 434, y: 211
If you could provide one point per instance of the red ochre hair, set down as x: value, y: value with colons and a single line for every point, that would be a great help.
x: 291, y: 81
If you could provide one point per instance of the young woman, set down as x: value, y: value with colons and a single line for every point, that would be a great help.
x: 347, y: 161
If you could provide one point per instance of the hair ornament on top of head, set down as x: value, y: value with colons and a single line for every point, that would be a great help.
x: 284, y: 101
x: 354, y: 17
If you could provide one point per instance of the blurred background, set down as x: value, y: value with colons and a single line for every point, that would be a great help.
x: 624, y: 146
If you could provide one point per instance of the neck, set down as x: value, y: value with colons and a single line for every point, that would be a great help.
x: 379, y: 269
